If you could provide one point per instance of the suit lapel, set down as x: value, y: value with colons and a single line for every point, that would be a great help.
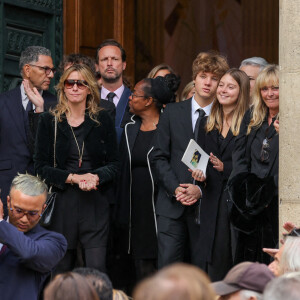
x: 121, y: 107
x: 132, y: 130
x: 228, y: 138
x: 16, y: 110
x: 186, y: 118
x: 88, y: 125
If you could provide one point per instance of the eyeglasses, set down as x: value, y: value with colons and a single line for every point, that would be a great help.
x: 265, y: 154
x: 46, y: 69
x: 32, y: 215
x: 81, y: 84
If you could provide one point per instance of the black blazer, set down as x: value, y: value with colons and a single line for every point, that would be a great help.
x: 173, y: 134
x: 16, y: 148
x: 100, y: 142
x: 109, y: 107
x: 214, y: 189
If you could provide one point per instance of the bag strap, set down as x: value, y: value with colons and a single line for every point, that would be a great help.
x: 54, y: 150
x: 54, y: 146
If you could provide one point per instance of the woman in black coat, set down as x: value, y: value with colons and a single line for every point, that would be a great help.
x: 253, y: 183
x: 216, y: 137
x: 86, y: 163
x: 136, y: 190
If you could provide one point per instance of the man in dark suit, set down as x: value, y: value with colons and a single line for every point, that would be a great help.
x: 19, y: 111
x: 176, y: 203
x: 77, y: 58
x: 111, y: 62
x: 28, y: 252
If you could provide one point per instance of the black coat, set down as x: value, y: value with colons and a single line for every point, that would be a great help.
x: 254, y: 195
x: 100, y: 142
x: 213, y: 191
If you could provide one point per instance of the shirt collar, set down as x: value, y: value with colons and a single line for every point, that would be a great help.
x: 118, y: 92
x: 25, y: 99
x: 195, y: 106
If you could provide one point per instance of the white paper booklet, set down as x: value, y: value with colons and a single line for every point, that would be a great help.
x: 195, y: 157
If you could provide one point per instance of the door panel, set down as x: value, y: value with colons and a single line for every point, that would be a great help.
x: 23, y: 24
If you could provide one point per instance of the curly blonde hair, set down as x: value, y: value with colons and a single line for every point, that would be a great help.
x: 210, y: 61
x: 268, y: 76
x: 92, y: 101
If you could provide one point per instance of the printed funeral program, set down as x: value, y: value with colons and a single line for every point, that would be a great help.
x: 195, y: 157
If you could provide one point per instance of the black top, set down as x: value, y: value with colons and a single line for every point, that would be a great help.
x: 72, y: 162
x: 260, y: 155
x: 142, y: 214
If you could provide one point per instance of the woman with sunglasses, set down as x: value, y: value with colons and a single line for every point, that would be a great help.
x: 253, y: 183
x: 86, y: 164
x: 216, y: 136
x: 136, y: 194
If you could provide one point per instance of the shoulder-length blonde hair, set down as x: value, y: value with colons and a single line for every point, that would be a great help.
x: 215, y: 120
x: 92, y: 100
x: 268, y: 76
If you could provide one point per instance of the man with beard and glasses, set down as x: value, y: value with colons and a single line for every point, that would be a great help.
x: 111, y: 62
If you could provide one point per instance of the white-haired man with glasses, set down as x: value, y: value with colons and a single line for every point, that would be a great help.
x: 19, y: 112
x: 28, y: 252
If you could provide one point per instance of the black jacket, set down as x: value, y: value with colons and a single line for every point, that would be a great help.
x: 100, y: 142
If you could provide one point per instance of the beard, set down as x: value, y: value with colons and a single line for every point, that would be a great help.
x: 111, y: 79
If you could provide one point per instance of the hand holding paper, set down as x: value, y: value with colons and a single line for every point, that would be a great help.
x: 195, y: 157
x: 198, y: 175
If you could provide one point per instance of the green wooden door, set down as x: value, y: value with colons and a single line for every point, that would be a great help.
x: 26, y: 23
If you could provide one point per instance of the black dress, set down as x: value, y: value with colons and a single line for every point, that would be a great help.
x: 143, y: 230
x: 87, y: 212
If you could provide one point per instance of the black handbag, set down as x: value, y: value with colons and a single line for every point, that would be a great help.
x: 46, y: 217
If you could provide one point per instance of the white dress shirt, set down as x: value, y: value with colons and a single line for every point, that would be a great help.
x: 25, y: 98
x: 117, y: 97
x: 195, y: 113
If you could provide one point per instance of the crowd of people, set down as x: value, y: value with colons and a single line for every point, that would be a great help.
x: 126, y: 205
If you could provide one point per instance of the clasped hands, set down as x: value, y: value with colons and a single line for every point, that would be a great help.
x: 86, y: 182
x: 187, y: 193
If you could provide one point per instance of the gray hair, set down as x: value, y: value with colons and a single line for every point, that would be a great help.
x: 29, y: 185
x: 284, y: 287
x: 290, y: 258
x: 254, y: 61
x: 247, y: 294
x: 31, y: 54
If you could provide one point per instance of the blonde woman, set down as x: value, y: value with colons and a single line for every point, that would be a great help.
x: 217, y: 136
x: 254, y: 179
x: 86, y: 164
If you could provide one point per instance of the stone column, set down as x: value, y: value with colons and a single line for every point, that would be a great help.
x: 289, y: 141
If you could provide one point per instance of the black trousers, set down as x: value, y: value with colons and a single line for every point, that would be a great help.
x: 173, y: 236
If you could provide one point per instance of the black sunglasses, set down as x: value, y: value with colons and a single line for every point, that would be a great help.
x: 81, y: 84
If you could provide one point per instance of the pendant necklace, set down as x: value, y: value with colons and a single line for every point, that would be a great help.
x: 80, y: 153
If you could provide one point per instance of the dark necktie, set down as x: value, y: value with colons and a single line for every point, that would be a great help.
x: 196, y: 131
x: 201, y: 115
x: 29, y: 106
x: 110, y: 97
